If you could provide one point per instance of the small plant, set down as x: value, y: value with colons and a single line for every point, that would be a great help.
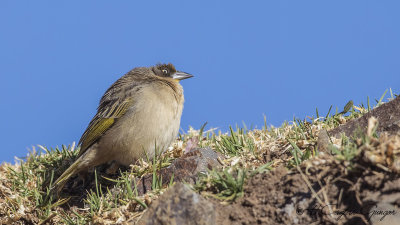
x: 298, y: 155
x: 347, y: 151
x: 226, y: 185
x: 234, y: 143
x: 24, y: 191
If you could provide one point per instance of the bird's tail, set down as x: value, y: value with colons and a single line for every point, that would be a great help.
x: 62, y: 180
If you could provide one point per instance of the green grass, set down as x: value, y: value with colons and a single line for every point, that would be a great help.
x: 246, y: 153
x: 225, y: 185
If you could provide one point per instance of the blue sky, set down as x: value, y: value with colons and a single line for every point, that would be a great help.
x: 278, y: 58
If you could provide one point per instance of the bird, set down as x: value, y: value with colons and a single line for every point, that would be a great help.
x: 137, y: 115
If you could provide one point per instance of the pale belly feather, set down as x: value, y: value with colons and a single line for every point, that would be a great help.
x: 150, y: 124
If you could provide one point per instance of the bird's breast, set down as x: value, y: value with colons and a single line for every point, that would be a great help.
x: 150, y: 125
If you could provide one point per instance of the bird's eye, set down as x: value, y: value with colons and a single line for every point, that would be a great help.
x: 165, y: 71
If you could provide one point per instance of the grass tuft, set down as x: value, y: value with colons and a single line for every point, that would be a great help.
x: 24, y: 193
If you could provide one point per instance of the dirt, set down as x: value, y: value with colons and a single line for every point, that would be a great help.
x: 347, y: 194
x: 324, y: 189
x: 321, y: 190
x: 328, y: 191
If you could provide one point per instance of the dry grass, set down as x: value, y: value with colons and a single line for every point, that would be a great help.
x: 24, y: 198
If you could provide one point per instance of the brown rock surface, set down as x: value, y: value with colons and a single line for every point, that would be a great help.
x: 185, y: 168
x: 388, y: 116
x: 323, y: 141
x: 179, y: 205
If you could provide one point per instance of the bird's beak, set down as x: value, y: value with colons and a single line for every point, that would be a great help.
x: 181, y: 75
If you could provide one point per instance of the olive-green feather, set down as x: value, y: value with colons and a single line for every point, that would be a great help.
x: 101, y: 122
x: 94, y: 132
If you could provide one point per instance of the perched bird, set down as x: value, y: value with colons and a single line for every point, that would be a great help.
x: 139, y: 114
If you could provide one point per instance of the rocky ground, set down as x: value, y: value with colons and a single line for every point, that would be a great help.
x: 342, y: 170
x: 322, y: 190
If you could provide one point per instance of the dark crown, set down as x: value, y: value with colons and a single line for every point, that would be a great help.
x: 164, y: 70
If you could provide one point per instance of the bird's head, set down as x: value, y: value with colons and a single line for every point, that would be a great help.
x: 168, y: 70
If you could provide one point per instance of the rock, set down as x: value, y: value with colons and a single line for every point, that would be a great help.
x: 185, y: 168
x: 179, y: 205
x: 323, y: 141
x: 388, y: 115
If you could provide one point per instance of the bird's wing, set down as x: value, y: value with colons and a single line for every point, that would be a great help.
x: 102, y: 121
